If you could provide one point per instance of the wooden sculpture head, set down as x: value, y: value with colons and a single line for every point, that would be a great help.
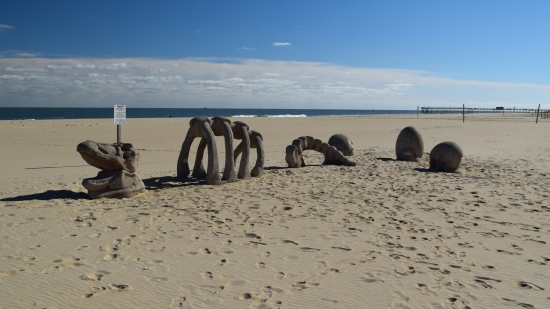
x: 109, y: 157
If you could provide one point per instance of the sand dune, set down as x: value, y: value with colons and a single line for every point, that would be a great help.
x: 382, y: 234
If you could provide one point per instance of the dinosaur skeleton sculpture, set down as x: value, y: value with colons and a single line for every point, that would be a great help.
x: 118, y: 163
x: 332, y: 155
x: 220, y: 126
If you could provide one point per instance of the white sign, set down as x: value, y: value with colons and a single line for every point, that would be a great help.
x: 120, y: 114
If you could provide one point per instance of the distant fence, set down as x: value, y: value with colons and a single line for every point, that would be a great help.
x: 470, y: 110
x: 545, y: 115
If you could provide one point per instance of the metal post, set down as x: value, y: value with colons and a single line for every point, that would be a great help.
x: 537, y: 121
x: 118, y: 133
x: 463, y: 112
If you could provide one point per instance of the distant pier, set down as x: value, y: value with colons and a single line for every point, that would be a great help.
x: 472, y: 110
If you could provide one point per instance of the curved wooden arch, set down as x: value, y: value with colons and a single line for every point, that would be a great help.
x: 332, y: 155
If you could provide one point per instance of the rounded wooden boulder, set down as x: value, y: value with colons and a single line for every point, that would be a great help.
x: 446, y: 157
x: 342, y: 143
x: 409, y: 145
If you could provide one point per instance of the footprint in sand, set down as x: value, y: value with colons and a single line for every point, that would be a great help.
x: 517, y: 303
x: 92, y: 277
x: 456, y: 302
x: 342, y: 249
x: 178, y: 302
x: 207, y: 275
x: 302, y: 285
x: 110, y: 257
x: 328, y: 271
x: 95, y: 291
x: 205, y: 251
x: 370, y: 278
x: 217, y: 289
x: 11, y: 272
x: 289, y: 242
x: 260, y: 264
x: 483, y: 281
x: 120, y: 287
x: 424, y: 289
x: 68, y: 261
x: 50, y: 269
x: 507, y: 252
x: 529, y: 286
x: 279, y: 275
x: 308, y: 249
x: 407, y: 270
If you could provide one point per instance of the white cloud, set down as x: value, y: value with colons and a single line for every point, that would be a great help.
x: 282, y: 44
x: 33, y: 70
x: 4, y: 27
x: 58, y: 67
x: 17, y: 54
x: 26, y: 55
x: 85, y: 66
x: 114, y: 66
x: 215, y: 82
x: 400, y: 86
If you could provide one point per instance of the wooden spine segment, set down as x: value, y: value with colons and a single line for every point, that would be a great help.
x: 221, y: 126
x: 200, y: 127
x: 240, y: 131
x: 256, y: 141
x: 332, y: 156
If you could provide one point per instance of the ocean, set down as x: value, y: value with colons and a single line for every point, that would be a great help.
x: 36, y: 113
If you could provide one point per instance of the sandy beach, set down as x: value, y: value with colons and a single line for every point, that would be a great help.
x: 382, y: 234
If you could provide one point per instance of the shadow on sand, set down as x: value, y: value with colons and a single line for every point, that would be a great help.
x: 167, y: 182
x: 154, y: 183
x: 47, y: 196
x: 45, y: 167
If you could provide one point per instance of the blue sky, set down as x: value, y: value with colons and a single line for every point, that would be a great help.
x: 303, y: 54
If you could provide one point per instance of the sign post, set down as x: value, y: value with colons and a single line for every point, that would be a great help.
x: 120, y: 119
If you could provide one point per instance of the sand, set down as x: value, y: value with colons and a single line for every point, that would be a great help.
x: 383, y: 234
